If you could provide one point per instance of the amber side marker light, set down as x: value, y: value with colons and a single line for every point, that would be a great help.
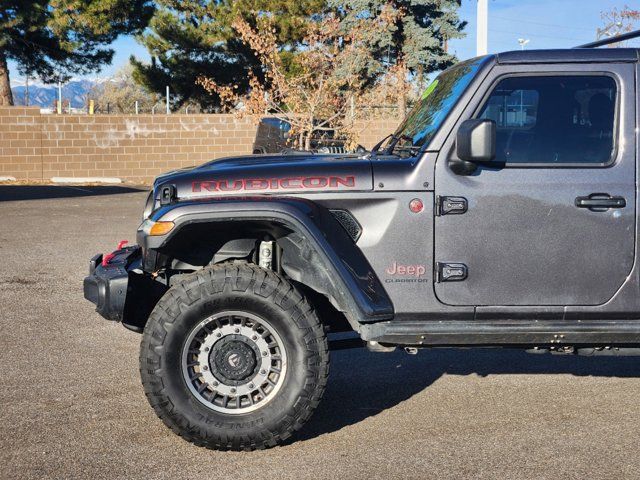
x: 161, y: 228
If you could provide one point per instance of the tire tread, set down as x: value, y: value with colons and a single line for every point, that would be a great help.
x: 215, y: 280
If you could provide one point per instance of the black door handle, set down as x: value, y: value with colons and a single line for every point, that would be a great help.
x: 600, y: 202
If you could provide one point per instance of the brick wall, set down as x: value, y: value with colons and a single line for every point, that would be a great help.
x: 372, y: 131
x: 131, y: 147
x: 20, y: 143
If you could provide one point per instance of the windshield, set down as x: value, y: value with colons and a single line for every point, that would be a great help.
x: 435, y: 104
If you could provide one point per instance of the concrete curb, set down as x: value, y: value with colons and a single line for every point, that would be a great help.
x: 86, y: 180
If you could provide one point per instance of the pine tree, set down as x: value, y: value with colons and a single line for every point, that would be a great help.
x: 415, y: 45
x: 54, y: 39
x: 193, y: 38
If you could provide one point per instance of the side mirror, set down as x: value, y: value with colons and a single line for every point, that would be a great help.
x: 476, y: 141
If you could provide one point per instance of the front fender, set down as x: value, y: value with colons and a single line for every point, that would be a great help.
x: 317, y: 251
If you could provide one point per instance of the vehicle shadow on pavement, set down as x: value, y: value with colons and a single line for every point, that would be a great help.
x: 363, y: 384
x: 10, y: 193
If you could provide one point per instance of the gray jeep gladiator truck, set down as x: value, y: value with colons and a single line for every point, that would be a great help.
x: 501, y: 213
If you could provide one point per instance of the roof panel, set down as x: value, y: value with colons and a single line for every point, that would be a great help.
x: 569, y: 55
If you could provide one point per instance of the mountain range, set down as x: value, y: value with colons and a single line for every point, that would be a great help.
x: 44, y: 96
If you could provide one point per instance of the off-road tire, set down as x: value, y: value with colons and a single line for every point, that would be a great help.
x: 239, y: 287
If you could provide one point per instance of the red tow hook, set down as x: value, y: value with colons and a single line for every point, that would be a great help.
x: 107, y: 257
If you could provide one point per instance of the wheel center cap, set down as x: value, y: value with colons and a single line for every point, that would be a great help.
x: 233, y: 360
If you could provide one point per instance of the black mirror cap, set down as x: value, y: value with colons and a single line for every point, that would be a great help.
x: 476, y: 140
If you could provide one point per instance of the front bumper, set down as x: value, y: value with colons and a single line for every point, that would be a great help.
x: 108, y: 281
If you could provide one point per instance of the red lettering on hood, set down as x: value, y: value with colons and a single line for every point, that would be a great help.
x: 227, y: 185
x: 349, y: 182
x: 286, y: 183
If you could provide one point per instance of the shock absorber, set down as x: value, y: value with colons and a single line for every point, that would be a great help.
x: 265, y: 257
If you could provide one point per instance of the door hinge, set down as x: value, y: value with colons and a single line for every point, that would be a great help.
x: 450, y: 205
x: 451, y: 272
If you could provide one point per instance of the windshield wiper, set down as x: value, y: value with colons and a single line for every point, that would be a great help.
x: 396, y: 139
x: 392, y: 144
x: 377, y: 146
x: 412, y: 149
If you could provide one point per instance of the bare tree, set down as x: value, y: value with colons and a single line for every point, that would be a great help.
x: 617, y: 22
x: 120, y: 93
x: 327, y: 87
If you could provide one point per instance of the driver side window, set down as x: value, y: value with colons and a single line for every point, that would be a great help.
x: 553, y: 120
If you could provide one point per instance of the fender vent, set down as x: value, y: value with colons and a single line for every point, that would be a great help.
x: 349, y: 223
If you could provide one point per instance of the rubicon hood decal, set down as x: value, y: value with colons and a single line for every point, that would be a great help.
x: 277, y: 174
x: 287, y: 183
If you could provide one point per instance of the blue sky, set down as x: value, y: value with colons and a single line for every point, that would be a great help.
x: 546, y: 23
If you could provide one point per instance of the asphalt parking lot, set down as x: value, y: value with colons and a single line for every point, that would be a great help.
x: 71, y: 403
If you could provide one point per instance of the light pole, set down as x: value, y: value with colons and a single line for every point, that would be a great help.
x: 482, y: 31
x: 59, y: 109
x: 522, y: 42
x: 26, y: 91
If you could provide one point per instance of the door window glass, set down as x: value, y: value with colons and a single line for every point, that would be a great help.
x: 553, y: 119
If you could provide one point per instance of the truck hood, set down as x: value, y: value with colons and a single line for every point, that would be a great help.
x: 270, y: 174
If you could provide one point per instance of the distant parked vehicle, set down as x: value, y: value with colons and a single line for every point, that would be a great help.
x: 273, y: 137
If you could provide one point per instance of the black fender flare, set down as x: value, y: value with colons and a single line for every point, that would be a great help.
x: 318, y: 253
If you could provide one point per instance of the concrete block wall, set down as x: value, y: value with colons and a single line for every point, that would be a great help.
x: 372, y: 131
x: 20, y: 143
x: 134, y: 148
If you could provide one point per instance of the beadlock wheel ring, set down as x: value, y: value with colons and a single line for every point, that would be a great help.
x: 250, y: 346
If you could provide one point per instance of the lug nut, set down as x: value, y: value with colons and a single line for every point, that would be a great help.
x: 205, y: 368
x: 263, y: 372
x: 237, y: 330
x: 251, y: 385
x: 264, y: 354
x: 233, y: 390
x: 206, y: 349
x: 218, y: 334
x: 215, y: 384
x: 255, y: 337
